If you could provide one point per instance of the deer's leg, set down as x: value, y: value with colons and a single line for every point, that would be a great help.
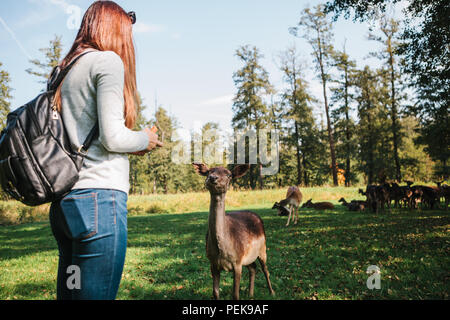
x: 252, y: 273
x: 237, y: 281
x: 215, y: 272
x: 262, y: 260
x: 289, y: 217
x: 296, y: 214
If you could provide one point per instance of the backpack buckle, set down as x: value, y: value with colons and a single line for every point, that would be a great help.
x: 82, y: 151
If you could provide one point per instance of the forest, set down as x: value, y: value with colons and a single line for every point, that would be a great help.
x: 385, y: 124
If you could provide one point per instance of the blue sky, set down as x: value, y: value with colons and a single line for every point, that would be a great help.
x: 185, y: 49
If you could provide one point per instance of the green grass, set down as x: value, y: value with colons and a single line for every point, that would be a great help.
x: 324, y: 256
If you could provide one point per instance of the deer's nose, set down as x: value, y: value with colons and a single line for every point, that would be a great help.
x: 213, y: 178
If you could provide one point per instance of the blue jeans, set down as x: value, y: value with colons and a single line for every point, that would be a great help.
x: 90, y: 227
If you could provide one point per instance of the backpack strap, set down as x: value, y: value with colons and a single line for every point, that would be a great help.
x: 93, y: 134
x: 56, y: 77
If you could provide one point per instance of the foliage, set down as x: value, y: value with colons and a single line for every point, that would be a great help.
x: 52, y: 58
x: 427, y: 63
x: 300, y: 137
x: 325, y: 256
x: 317, y: 30
x: 341, y: 101
x: 250, y: 111
x: 5, y: 96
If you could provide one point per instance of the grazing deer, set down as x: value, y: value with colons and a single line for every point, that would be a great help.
x: 234, y: 239
x: 416, y: 195
x: 378, y: 196
x: 400, y: 194
x: 293, y: 200
x: 318, y: 205
x: 430, y: 196
x: 383, y: 196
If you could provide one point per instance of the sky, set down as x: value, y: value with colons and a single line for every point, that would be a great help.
x: 185, y: 50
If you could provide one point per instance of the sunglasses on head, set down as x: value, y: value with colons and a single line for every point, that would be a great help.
x: 132, y: 16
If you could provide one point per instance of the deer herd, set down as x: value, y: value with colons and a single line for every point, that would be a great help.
x: 237, y: 239
x: 378, y: 197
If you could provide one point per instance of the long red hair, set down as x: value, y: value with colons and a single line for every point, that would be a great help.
x: 107, y: 27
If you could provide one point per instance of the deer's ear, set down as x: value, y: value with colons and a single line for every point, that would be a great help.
x: 201, y: 168
x: 240, y: 170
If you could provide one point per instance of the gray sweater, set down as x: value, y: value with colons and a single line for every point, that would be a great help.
x: 93, y: 89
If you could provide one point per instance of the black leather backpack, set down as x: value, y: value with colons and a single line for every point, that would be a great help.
x: 37, y: 163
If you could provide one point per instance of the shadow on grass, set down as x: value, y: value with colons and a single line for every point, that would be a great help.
x: 25, y: 239
x: 324, y: 256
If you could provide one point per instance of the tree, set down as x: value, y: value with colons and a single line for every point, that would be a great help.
x: 296, y: 101
x: 427, y: 63
x: 139, y: 164
x: 52, y: 58
x: 341, y: 99
x: 249, y: 108
x: 373, y: 145
x: 5, y: 96
x: 161, y: 170
x: 317, y: 31
x: 388, y: 54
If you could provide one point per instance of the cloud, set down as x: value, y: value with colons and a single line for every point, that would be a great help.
x: 222, y: 100
x: 60, y: 3
x: 141, y: 27
x: 176, y: 36
x: 34, y: 18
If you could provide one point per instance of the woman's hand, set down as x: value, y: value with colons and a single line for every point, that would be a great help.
x: 153, y: 139
x: 153, y: 142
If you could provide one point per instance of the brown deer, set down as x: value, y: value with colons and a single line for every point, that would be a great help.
x: 293, y: 200
x: 318, y: 205
x: 234, y: 239
x: 354, y: 205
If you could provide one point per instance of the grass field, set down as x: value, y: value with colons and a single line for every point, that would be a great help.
x: 324, y: 256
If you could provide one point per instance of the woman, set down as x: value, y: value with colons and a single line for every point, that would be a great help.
x: 90, y: 223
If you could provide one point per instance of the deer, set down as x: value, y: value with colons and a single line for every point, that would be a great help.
x: 377, y: 197
x: 318, y: 205
x: 354, y: 205
x: 234, y: 239
x: 293, y: 200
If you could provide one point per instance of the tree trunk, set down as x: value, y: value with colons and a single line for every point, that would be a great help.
x: 394, y: 119
x: 347, y: 134
x: 305, y: 174
x: 330, y: 131
x: 370, y: 151
x: 299, y: 165
x: 260, y: 177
